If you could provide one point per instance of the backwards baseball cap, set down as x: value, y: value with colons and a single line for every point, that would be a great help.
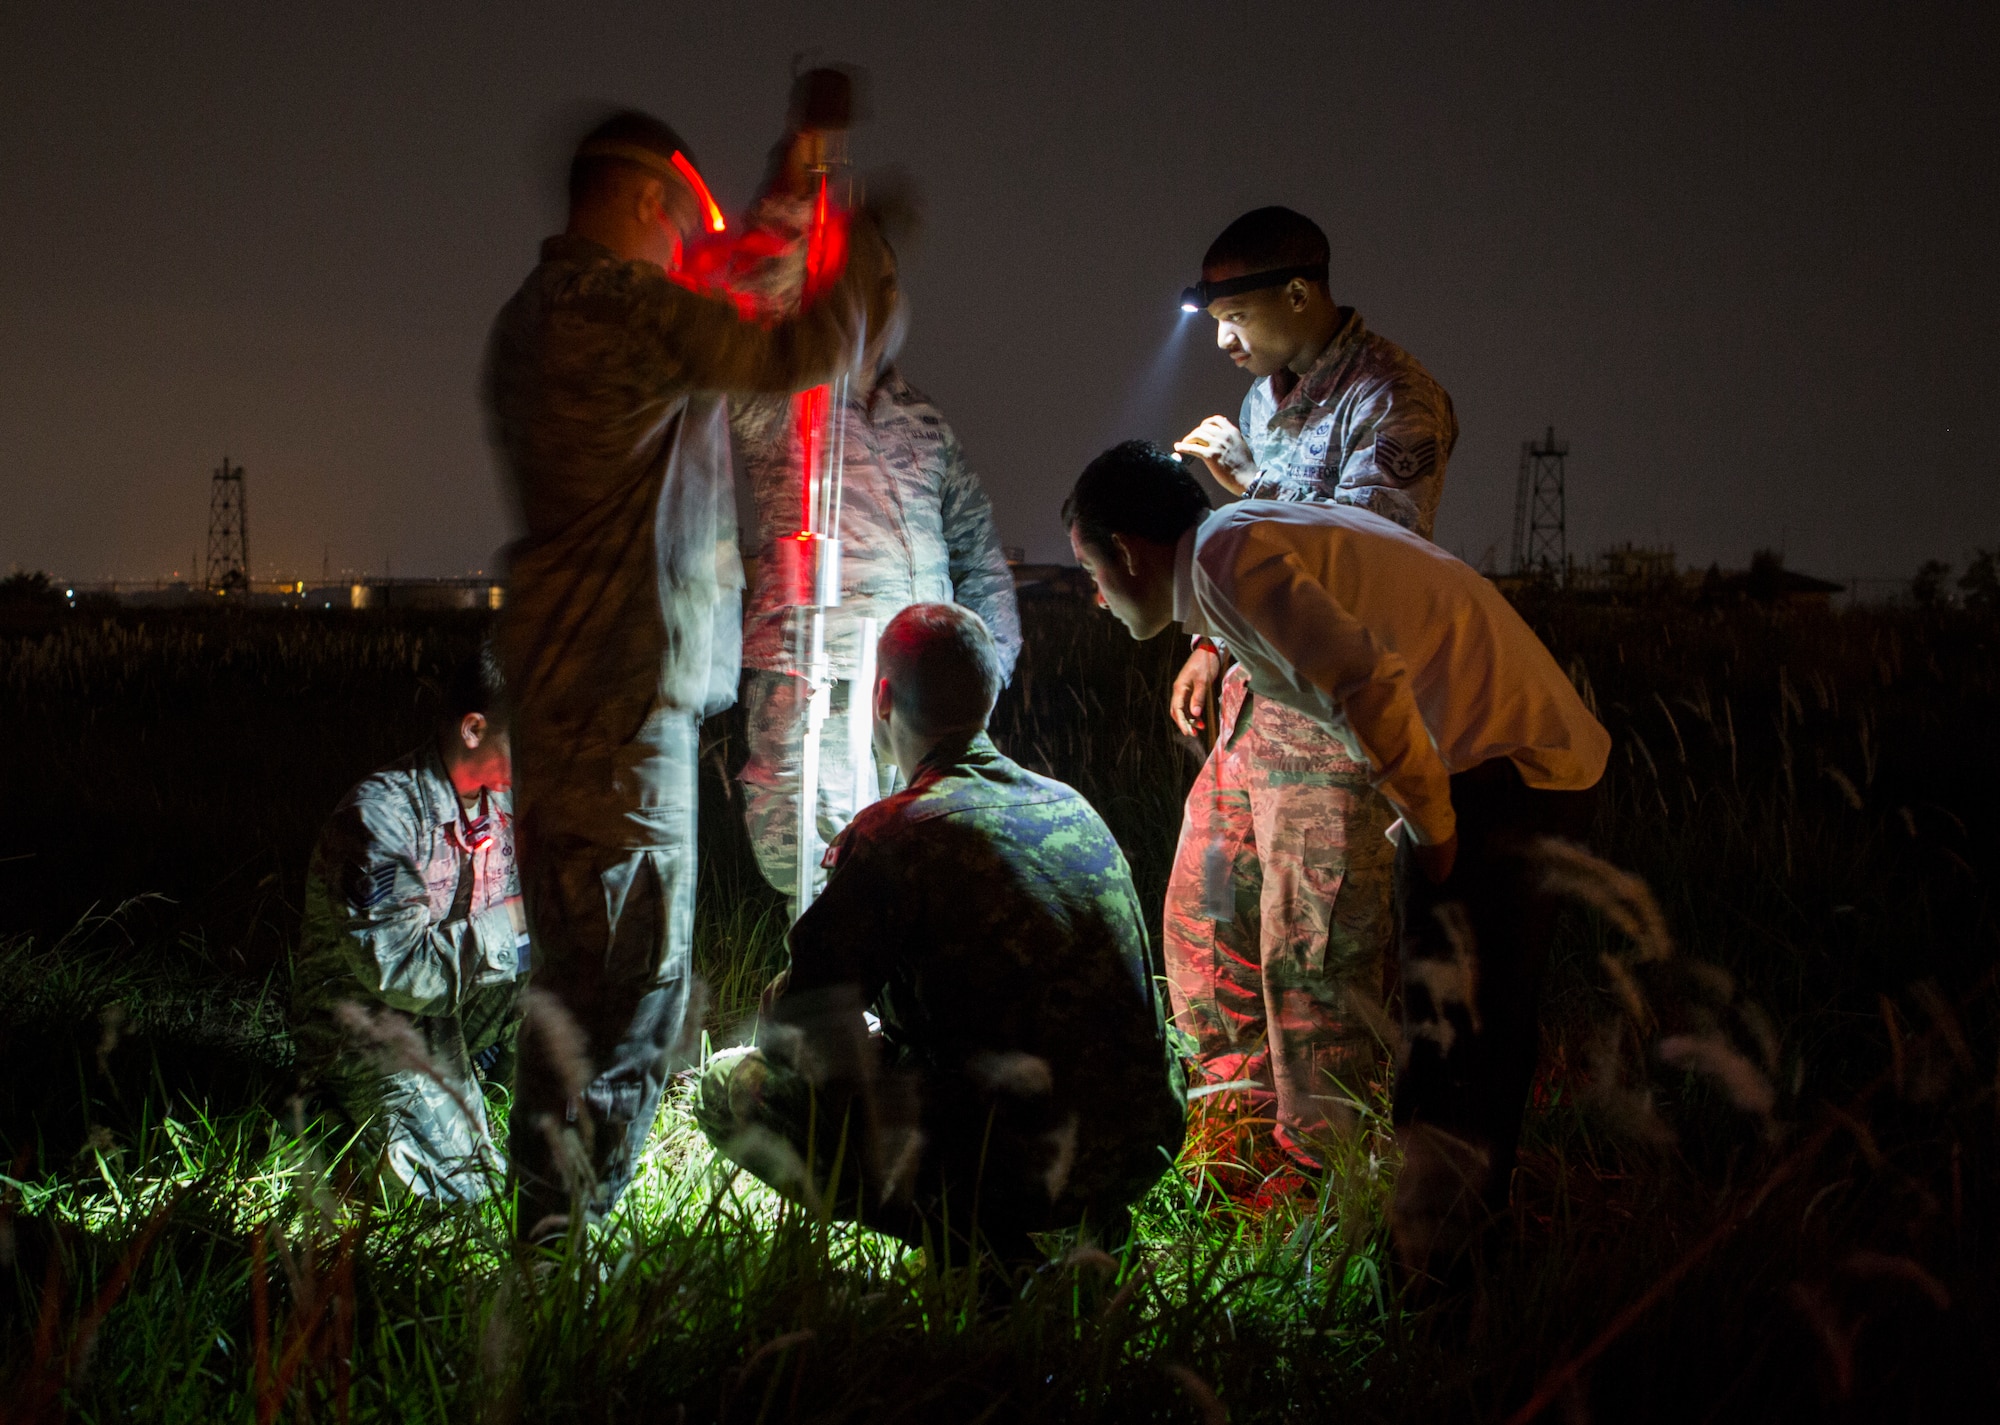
x: 1197, y: 297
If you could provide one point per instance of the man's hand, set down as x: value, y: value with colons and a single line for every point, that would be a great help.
x: 1221, y: 447
x: 1435, y: 861
x: 1194, y: 689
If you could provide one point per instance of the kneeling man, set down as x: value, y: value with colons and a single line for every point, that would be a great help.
x: 407, y: 988
x: 1469, y: 728
x: 1022, y: 1080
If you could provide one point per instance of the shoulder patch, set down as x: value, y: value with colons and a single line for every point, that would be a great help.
x: 1404, y: 463
x: 372, y: 885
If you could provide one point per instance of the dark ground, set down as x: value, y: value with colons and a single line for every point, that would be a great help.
x: 1813, y: 798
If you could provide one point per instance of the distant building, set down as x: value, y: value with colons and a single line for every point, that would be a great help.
x: 470, y: 592
x: 1766, y: 581
x: 1640, y: 573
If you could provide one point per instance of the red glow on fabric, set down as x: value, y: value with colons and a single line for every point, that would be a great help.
x: 710, y: 208
x: 809, y: 414
x: 826, y: 244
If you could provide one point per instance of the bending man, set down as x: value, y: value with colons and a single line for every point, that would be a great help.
x: 1468, y: 727
x: 1022, y: 1080
x: 606, y: 382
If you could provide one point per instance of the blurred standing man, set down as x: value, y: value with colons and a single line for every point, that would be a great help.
x: 606, y: 381
x: 1278, y: 910
x: 413, y: 911
x: 915, y: 527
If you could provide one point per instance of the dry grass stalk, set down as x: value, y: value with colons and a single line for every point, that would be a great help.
x: 1713, y: 1057
x: 1886, y: 1266
x: 397, y: 1048
x: 1621, y: 897
x: 1212, y: 1410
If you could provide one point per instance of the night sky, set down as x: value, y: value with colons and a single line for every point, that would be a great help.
x: 1742, y: 256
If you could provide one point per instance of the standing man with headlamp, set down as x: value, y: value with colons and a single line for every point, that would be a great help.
x: 1279, y: 910
x: 607, y: 380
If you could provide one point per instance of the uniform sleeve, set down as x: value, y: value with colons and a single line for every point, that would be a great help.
x: 847, y: 935
x: 368, y: 857
x: 760, y: 425
x: 980, y: 578
x: 1328, y: 647
x: 1402, y: 437
x: 841, y: 949
x: 688, y: 339
x: 773, y: 272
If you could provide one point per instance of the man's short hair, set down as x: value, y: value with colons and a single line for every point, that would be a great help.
x: 1267, y: 238
x: 1134, y: 488
x: 942, y: 667
x: 476, y: 686
x: 595, y: 175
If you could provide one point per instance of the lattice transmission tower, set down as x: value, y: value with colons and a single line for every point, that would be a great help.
x: 1541, y: 538
x: 228, y: 533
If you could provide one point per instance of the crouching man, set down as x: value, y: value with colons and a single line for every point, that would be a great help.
x: 407, y: 987
x: 1022, y: 1080
x: 1467, y: 725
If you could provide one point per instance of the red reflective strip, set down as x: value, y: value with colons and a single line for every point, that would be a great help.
x: 809, y: 413
x: 716, y: 222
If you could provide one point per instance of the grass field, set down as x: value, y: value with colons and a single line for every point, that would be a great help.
x: 1760, y: 1180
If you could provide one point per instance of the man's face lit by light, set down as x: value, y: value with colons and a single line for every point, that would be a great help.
x: 1255, y: 329
x: 1125, y: 586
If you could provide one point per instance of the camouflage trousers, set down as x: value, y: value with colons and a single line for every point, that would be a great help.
x: 423, y: 1128
x: 1279, y: 915
x: 607, y: 861
x: 774, y: 705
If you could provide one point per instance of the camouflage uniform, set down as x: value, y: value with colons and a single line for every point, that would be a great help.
x: 915, y: 527
x: 402, y: 915
x: 988, y: 917
x: 606, y: 384
x: 1366, y: 426
x: 1279, y: 908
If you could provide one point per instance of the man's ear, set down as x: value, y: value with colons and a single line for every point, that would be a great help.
x: 1126, y: 558
x: 472, y: 730
x: 885, y: 700
x: 653, y: 205
x: 1297, y: 294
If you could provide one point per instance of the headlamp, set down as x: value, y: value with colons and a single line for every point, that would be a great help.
x: 1197, y: 297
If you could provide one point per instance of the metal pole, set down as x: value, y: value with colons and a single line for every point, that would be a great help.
x: 861, y: 718
x: 824, y: 454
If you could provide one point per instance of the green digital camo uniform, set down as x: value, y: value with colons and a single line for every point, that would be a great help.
x: 1279, y: 908
x: 606, y: 385
x: 1022, y: 1073
x: 401, y: 916
x: 915, y: 527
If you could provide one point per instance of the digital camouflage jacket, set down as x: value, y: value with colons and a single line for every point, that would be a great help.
x: 399, y: 911
x: 988, y: 917
x: 915, y: 526
x: 1366, y: 426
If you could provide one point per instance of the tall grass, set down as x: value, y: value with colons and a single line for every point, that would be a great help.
x: 1758, y: 1179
